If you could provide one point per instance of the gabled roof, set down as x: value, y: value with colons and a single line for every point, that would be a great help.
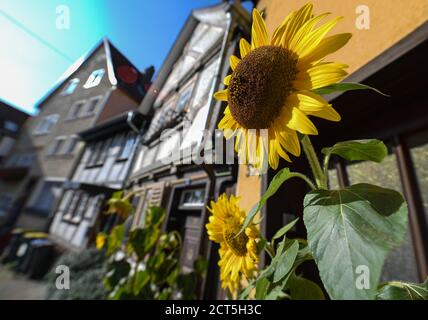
x: 114, y: 59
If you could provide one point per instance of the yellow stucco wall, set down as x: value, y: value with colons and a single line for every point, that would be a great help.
x: 390, y: 21
x: 248, y: 188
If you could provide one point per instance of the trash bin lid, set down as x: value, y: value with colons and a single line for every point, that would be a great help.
x: 36, y: 235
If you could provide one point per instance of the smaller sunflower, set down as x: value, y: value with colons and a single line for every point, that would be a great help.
x: 100, y: 240
x: 238, y: 254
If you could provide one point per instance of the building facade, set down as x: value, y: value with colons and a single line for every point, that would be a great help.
x: 390, y: 39
x: 168, y: 170
x: 11, y: 121
x: 102, y: 170
x: 99, y: 86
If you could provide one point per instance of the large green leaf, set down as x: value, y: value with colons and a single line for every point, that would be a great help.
x: 304, y: 289
x: 354, y: 150
x: 345, y: 86
x: 403, y: 291
x: 282, y: 176
x: 350, y: 229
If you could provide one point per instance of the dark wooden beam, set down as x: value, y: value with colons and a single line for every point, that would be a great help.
x: 417, y: 220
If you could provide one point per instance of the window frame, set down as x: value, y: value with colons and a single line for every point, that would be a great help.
x: 72, y: 82
x: 127, y: 137
x: 54, y: 150
x: 94, y: 78
x: 72, y: 114
x: 38, y: 129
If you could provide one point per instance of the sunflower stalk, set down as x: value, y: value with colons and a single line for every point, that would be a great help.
x: 314, y: 163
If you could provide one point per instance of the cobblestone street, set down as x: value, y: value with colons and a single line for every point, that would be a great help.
x: 17, y: 287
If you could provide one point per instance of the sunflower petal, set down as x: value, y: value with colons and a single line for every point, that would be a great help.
x: 304, y: 31
x: 281, y: 152
x: 221, y: 95
x: 259, y: 36
x: 326, y: 46
x: 244, y: 47
x: 301, y: 123
x: 312, y: 40
x: 290, y: 141
x: 234, y: 60
x: 320, y: 75
x: 314, y: 105
x: 297, y: 19
x: 273, y: 154
x: 279, y: 31
x: 226, y: 80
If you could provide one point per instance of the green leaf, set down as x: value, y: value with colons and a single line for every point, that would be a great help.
x: 246, y: 292
x: 117, y: 270
x: 282, y: 176
x: 286, y: 261
x: 200, y: 265
x: 403, y: 291
x: 354, y: 150
x: 276, y: 293
x: 345, y: 86
x: 142, y: 278
x: 304, y: 289
x: 115, y: 239
x: 285, y: 229
x: 155, y: 216
x: 353, y: 228
x: 262, y: 286
x: 143, y: 240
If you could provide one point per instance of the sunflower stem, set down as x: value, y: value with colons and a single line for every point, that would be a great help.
x: 314, y: 162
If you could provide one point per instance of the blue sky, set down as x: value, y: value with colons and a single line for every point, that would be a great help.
x: 35, y: 53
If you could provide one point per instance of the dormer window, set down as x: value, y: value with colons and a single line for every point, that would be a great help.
x: 70, y: 87
x: 94, y: 79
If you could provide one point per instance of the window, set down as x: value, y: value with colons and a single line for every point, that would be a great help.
x: 94, y: 79
x: 127, y: 147
x: 99, y: 153
x: 94, y: 150
x: 102, y: 155
x: 80, y: 207
x: 76, y: 110
x: 92, y: 105
x: 192, y: 199
x: 70, y: 87
x: 47, y: 195
x: 46, y: 124
x: 71, y: 206
x: 5, y: 201
x: 184, y: 98
x: 57, y: 146
x: 21, y: 160
x: 11, y: 126
x: 70, y: 145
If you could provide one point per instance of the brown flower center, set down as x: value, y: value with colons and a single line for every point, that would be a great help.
x: 238, y: 244
x: 260, y: 85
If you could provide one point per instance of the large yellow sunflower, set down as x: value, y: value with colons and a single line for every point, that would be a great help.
x: 270, y: 86
x: 238, y: 254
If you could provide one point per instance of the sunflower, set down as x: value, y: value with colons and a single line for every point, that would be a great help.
x: 271, y: 86
x: 238, y: 253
